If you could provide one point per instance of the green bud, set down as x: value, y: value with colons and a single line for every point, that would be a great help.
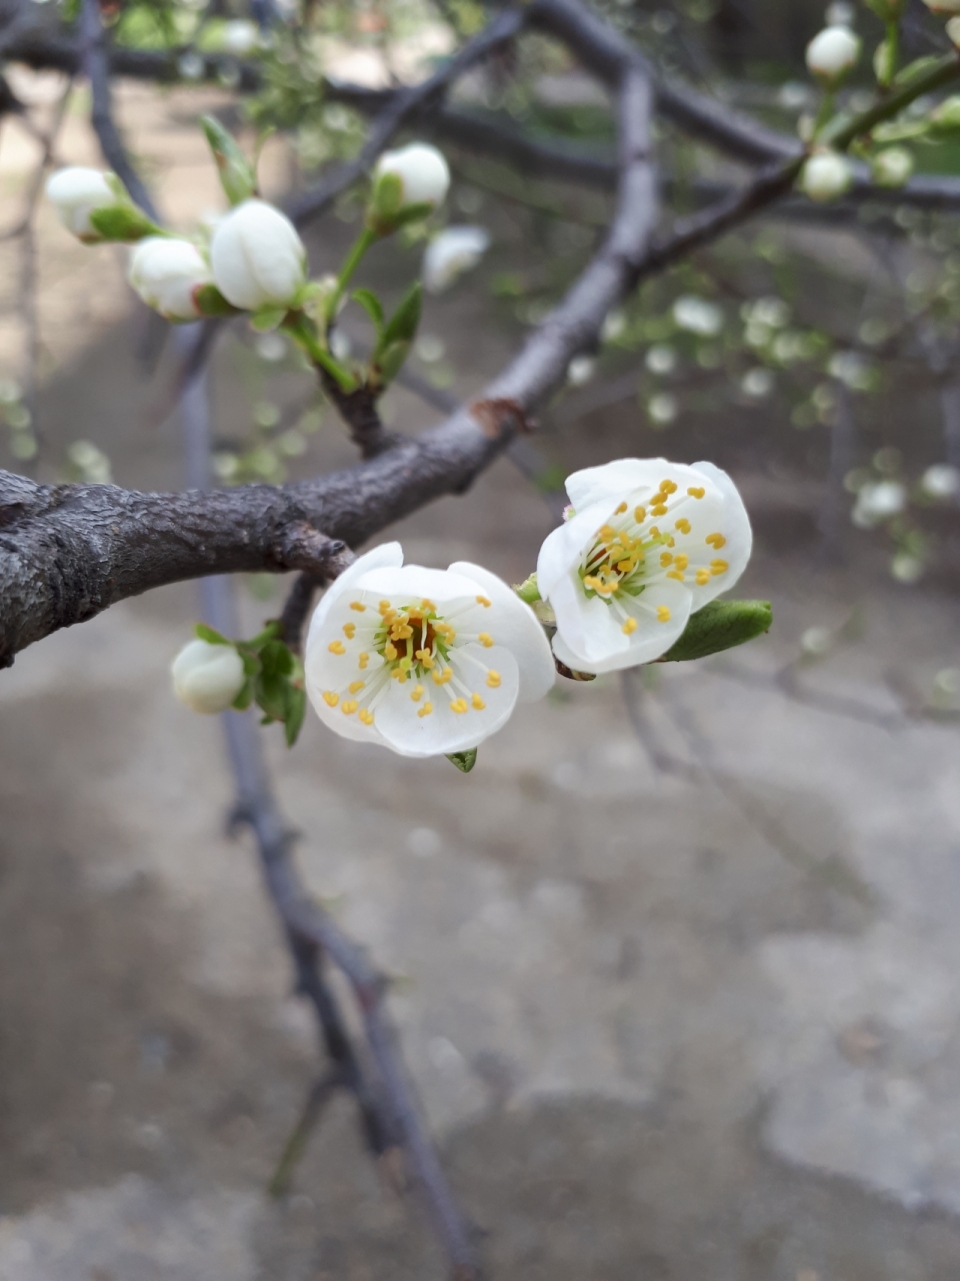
x: 124, y: 223
x: 464, y: 761
x: 237, y: 176
x: 385, y: 203
x: 885, y: 62
x: 945, y: 119
x: 528, y: 590
x: 887, y: 10
x: 718, y: 626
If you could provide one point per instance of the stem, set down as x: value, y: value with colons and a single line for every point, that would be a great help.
x: 842, y: 131
x: 301, y: 329
x: 350, y: 265
x: 893, y: 51
x: 825, y: 112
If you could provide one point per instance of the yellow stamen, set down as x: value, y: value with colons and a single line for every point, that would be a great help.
x: 682, y: 524
x: 668, y: 487
x: 621, y: 509
x: 703, y: 577
x: 349, y: 707
x: 427, y: 606
x: 607, y: 533
x: 670, y: 540
x: 364, y: 659
x: 331, y: 698
x: 358, y: 606
x: 681, y: 560
x: 425, y: 657
x: 356, y: 686
x: 666, y: 558
x: 442, y: 678
x: 658, y: 509
x: 716, y: 541
x: 383, y: 606
x: 417, y: 693
x: 663, y: 614
x: 677, y: 574
x: 337, y: 647
x: 629, y: 627
x: 349, y: 630
x: 493, y: 679
x: 459, y: 705
x: 485, y: 639
x: 696, y: 491
x: 654, y: 532
x: 389, y: 652
x: 718, y: 567
x: 482, y: 600
x: 478, y: 703
x: 425, y: 710
x: 365, y: 716
x: 639, y: 514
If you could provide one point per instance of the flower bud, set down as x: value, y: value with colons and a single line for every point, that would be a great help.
x: 412, y: 180
x: 953, y: 30
x: 167, y: 274
x: 256, y: 257
x: 827, y: 175
x: 943, y: 6
x: 832, y: 54
x: 75, y: 193
x: 892, y: 167
x: 454, y: 251
x: 945, y: 117
x: 207, y: 677
x: 240, y: 37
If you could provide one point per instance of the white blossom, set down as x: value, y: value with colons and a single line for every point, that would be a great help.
x: 166, y: 274
x: 75, y: 193
x: 827, y: 175
x: 650, y: 543
x: 423, y: 661
x: 878, y: 500
x: 661, y: 358
x: 454, y: 251
x: 953, y: 30
x: 207, y: 677
x: 757, y: 383
x: 892, y: 167
x: 698, y: 316
x: 257, y: 256
x: 907, y: 568
x: 942, y: 480
x: 832, y: 53
x: 580, y: 370
x: 240, y: 37
x: 422, y: 170
x: 662, y: 408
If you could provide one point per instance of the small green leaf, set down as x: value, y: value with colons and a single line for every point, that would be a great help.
x: 237, y: 175
x: 371, y: 304
x: 402, y: 325
x: 296, y: 710
x: 528, y: 590
x: 464, y: 761
x: 718, y: 626
x: 244, y: 698
x: 390, y: 361
x: 125, y: 223
x: 268, y: 317
x: 210, y: 635
x: 277, y: 658
x: 211, y: 302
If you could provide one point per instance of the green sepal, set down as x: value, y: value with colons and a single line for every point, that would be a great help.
x: 211, y: 302
x: 389, y: 362
x: 464, y: 761
x: 718, y: 626
x: 402, y: 325
x: 244, y: 698
x: 372, y: 305
x: 296, y: 710
x: 211, y: 635
x: 237, y: 175
x: 269, y: 316
x: 900, y: 131
x: 124, y: 223
x: 528, y: 590
x: 913, y: 71
x: 385, y: 201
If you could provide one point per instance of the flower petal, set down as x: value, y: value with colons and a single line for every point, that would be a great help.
x: 562, y: 546
x: 378, y: 557
x: 414, y: 581
x: 611, y: 481
x: 651, y: 638
x: 736, y: 529
x: 588, y: 624
x: 443, y: 731
x: 514, y: 625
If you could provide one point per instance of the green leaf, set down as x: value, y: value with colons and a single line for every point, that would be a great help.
x: 402, y: 325
x: 210, y: 635
x: 296, y: 710
x: 268, y: 317
x: 211, y: 302
x: 269, y: 633
x: 528, y: 590
x: 270, y: 691
x: 237, y: 175
x: 718, y: 626
x: 464, y: 761
x: 371, y: 304
x: 277, y: 659
x: 244, y: 698
x: 125, y: 223
x: 390, y: 360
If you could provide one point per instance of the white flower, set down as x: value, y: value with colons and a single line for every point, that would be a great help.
x: 698, y: 316
x: 422, y: 170
x: 826, y: 175
x: 757, y: 383
x: 257, y: 257
x: 941, y: 480
x: 661, y: 358
x: 878, y: 500
x: 75, y: 193
x: 423, y: 661
x: 166, y: 273
x: 580, y: 370
x: 207, y: 677
x: 662, y: 408
x: 240, y: 37
x: 451, y: 253
x: 651, y: 542
x: 191, y: 66
x: 832, y: 53
x: 892, y: 167
x: 953, y: 29
x: 907, y: 568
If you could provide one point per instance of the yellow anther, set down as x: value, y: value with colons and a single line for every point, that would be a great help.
x: 459, y: 705
x: 383, y: 606
x: 443, y: 677
x: 417, y: 693
x: 663, y: 614
x: 626, y: 566
x: 658, y: 509
x: 337, y: 647
x: 670, y: 540
x: 425, y: 710
x: 639, y: 514
x: 427, y: 606
x: 621, y: 509
x: 358, y: 606
x: 349, y: 707
x: 493, y: 679
x: 696, y: 491
x: 478, y: 703
x: 389, y: 652
x: 682, y: 524
x: 677, y: 574
x: 365, y: 716
x: 607, y: 589
x: 681, y: 561
x: 668, y: 487
x: 607, y: 533
x: 629, y: 627
x: 349, y: 630
x: 331, y: 698
x: 485, y: 639
x: 364, y: 659
x: 425, y: 657
x: 401, y: 631
x: 592, y: 582
x: 703, y: 577
x: 718, y: 567
x: 716, y: 541
x: 401, y: 675
x: 356, y: 686
x: 666, y: 558
x: 654, y: 532
x: 482, y: 600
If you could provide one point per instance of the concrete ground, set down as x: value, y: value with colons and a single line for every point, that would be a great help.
x: 678, y: 991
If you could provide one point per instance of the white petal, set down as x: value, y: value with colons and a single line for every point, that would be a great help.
x: 651, y: 639
x: 563, y: 547
x: 613, y: 480
x: 736, y: 529
x: 414, y: 582
x: 587, y: 623
x: 513, y: 624
x: 387, y: 554
x: 443, y: 731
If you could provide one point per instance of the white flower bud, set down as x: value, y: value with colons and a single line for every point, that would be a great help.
x: 257, y: 257
x: 827, y: 175
x: 892, y: 167
x: 422, y: 170
x: 941, y: 481
x: 166, y: 274
x: 832, y: 53
x: 697, y: 316
x: 75, y: 193
x: 878, y: 501
x: 240, y: 37
x: 451, y: 253
x: 207, y: 677
x: 953, y: 30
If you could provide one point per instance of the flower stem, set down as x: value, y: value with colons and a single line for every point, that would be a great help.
x: 303, y: 332
x: 825, y: 112
x: 843, y: 129
x: 350, y: 265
